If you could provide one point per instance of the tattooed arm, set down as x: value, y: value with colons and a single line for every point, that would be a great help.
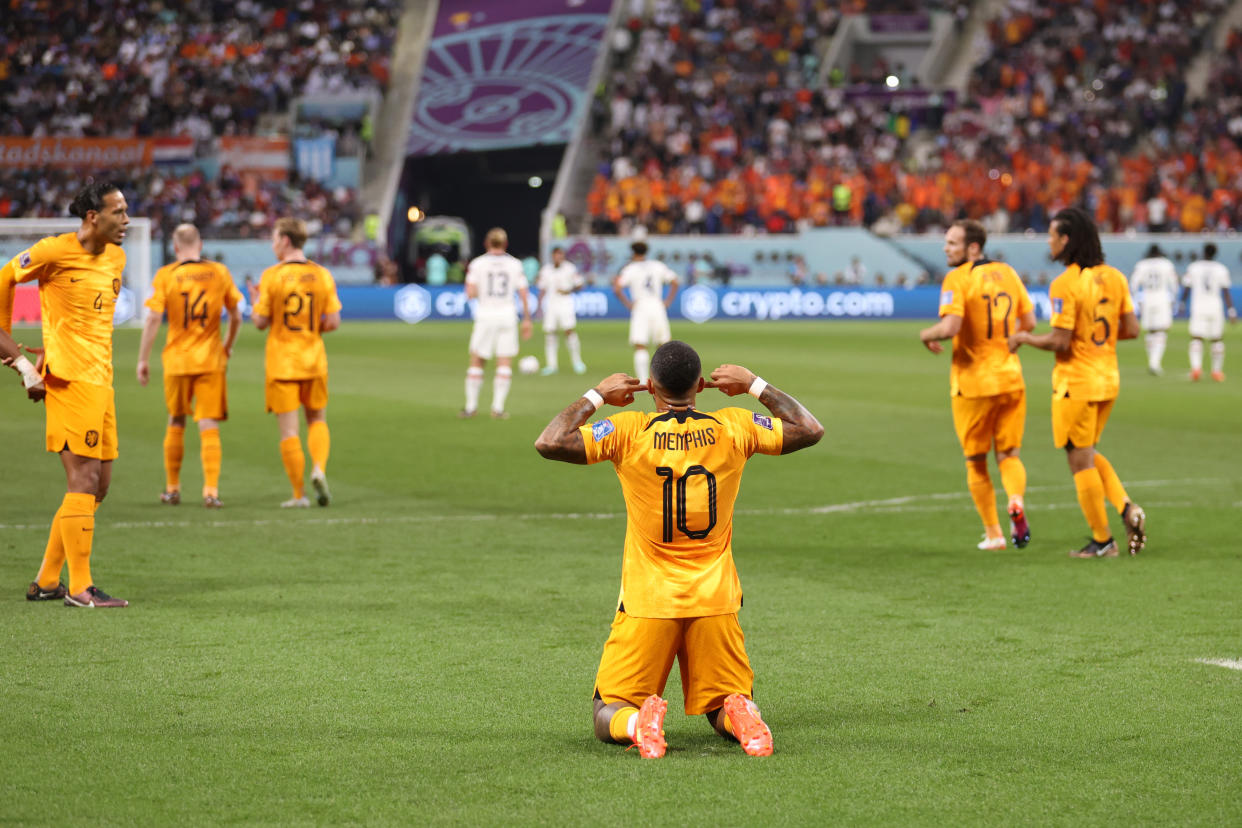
x: 800, y: 428
x: 561, y: 439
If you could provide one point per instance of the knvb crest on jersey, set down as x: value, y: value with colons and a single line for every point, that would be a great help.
x: 412, y: 304
x: 699, y: 303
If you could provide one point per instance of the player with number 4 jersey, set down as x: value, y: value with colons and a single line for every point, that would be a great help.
x: 193, y: 293
x: 680, y: 470
x: 1091, y: 310
x: 296, y: 303
x: 981, y: 303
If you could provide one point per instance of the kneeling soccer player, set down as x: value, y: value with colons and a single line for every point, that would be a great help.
x: 680, y: 471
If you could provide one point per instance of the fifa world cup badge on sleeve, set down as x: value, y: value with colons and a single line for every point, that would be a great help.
x: 761, y: 420
x: 1056, y: 305
x: 24, y: 259
x: 602, y: 429
x: 946, y: 297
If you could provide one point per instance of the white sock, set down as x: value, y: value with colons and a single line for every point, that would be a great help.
x: 631, y: 727
x: 474, y: 382
x: 1156, y: 340
x: 549, y: 350
x: 575, y: 346
x: 1196, y: 354
x: 1218, y: 356
x: 500, y: 387
x: 642, y: 364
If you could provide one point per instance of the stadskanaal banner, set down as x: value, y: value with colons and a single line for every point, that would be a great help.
x: 698, y: 303
x: 100, y: 153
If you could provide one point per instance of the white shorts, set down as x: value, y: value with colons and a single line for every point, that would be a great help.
x: 649, y: 323
x: 1156, y: 316
x: 1207, y: 325
x: 559, y: 316
x: 494, y: 338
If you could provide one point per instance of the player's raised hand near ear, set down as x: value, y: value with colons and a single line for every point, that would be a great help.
x: 731, y: 379
x: 619, y: 389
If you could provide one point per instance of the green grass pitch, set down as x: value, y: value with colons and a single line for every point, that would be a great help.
x: 422, y: 652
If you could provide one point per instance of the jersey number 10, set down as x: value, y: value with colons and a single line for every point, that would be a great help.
x: 679, y: 514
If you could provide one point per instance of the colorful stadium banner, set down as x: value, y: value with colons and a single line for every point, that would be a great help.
x: 504, y: 74
x: 98, y: 153
x: 265, y: 157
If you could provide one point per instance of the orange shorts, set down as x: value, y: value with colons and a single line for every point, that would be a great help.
x: 207, y: 391
x: 287, y: 395
x: 980, y: 421
x: 1078, y: 423
x: 710, y: 651
x: 81, y: 416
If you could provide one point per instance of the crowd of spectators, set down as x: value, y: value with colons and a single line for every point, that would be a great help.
x: 227, y: 206
x: 144, y: 67
x: 716, y: 125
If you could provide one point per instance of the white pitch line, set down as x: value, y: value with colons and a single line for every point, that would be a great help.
x: 1228, y: 663
x: 906, y: 503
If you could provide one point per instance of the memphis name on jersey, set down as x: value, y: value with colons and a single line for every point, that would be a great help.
x: 672, y: 441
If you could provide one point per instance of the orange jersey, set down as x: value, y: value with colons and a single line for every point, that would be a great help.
x: 193, y: 294
x: 991, y: 299
x: 1090, y: 304
x: 77, y: 296
x: 8, y: 287
x: 680, y: 473
x: 294, y: 295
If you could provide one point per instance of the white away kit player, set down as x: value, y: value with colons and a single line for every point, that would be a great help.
x: 1207, y: 286
x: 558, y: 280
x: 491, y: 280
x: 1154, y: 285
x: 648, y: 306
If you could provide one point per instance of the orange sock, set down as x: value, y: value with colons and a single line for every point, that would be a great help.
x: 174, y: 449
x: 1113, y: 490
x: 53, y: 555
x: 318, y: 441
x: 984, y: 496
x: 1091, y: 501
x: 619, y: 724
x: 77, y: 530
x: 295, y: 463
x: 1013, y: 477
x: 212, y: 454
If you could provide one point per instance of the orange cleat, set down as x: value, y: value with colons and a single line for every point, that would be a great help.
x: 1195, y: 373
x: 1219, y: 376
x: 649, y: 734
x: 748, y: 725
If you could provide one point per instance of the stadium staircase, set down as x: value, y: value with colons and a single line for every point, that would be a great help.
x: 1200, y: 71
x: 381, y: 176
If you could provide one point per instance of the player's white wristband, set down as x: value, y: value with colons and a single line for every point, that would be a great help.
x: 30, y: 377
x: 594, y: 398
x: 756, y: 387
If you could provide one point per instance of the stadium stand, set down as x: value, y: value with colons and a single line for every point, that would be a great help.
x: 201, y: 70
x: 725, y: 131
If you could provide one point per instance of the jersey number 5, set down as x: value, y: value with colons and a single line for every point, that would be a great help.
x: 680, y: 512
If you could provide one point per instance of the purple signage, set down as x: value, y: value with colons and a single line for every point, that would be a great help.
x: 504, y: 74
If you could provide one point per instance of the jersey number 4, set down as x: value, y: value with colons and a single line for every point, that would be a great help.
x: 679, y: 513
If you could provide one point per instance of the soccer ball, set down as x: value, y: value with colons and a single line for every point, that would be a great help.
x: 528, y: 364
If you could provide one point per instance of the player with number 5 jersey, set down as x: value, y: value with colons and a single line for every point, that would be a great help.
x: 680, y: 470
x: 296, y: 303
x: 193, y: 293
x: 981, y: 303
x: 1091, y: 309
